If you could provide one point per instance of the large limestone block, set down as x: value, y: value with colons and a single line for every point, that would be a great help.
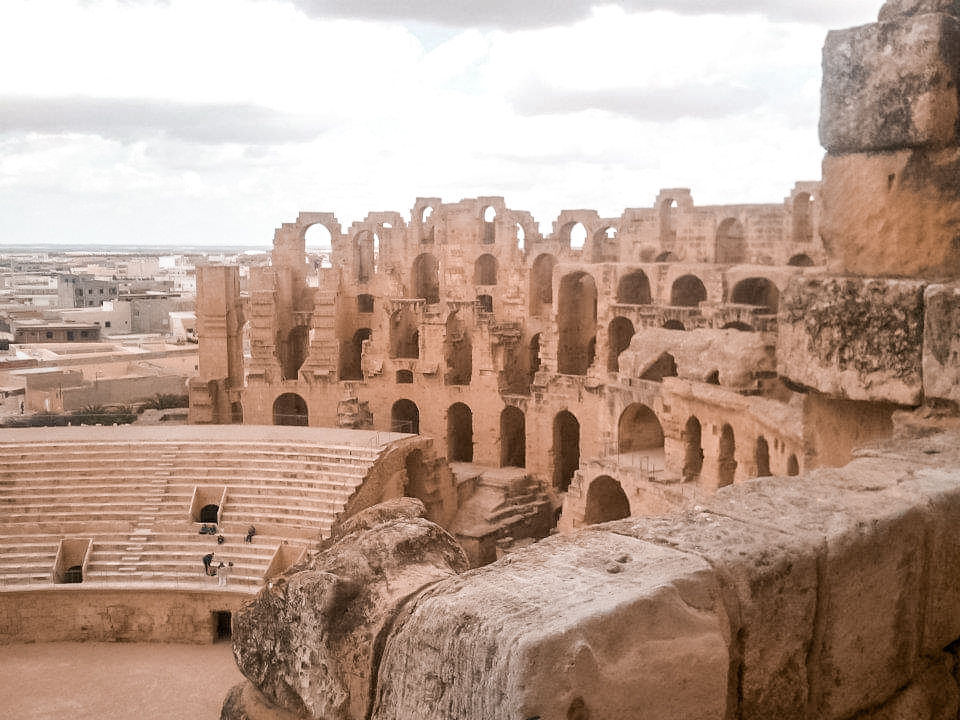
x: 310, y: 642
x: 941, y: 343
x: 770, y: 589
x: 932, y: 696
x: 895, y: 8
x: 870, y: 567
x: 891, y: 85
x: 854, y: 338
x: 595, y: 625
x: 893, y: 214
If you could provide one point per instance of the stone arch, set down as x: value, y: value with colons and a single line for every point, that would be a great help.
x: 576, y: 323
x: 737, y: 325
x: 726, y: 458
x: 457, y: 351
x: 351, y: 355
x: 489, y: 215
x: 459, y: 433
x: 757, y: 291
x: 427, y: 227
x: 485, y: 270
x: 606, y: 501
x: 363, y: 256
x: 802, y: 218
x: 574, y: 235
x: 692, y: 449
x: 513, y: 437
x: 638, y: 429
x: 317, y: 245
x: 566, y: 449
x: 405, y: 417
x: 634, y: 289
x: 293, y: 351
x: 793, y: 467
x: 290, y: 409
x: 426, y: 278
x: 731, y: 243
x: 801, y: 260
x: 761, y: 455
x: 541, y: 285
x: 521, y: 236
x: 404, y: 335
x: 687, y: 291
x: 619, y: 333
x: 534, y: 356
x: 605, y: 246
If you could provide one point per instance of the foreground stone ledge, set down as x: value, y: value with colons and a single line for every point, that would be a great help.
x: 607, y: 626
x: 904, y: 91
x: 853, y: 338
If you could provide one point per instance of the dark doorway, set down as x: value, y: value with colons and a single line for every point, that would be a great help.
x: 208, y: 513
x: 223, y: 625
x: 606, y: 501
x: 290, y: 409
x: 460, y: 433
x: 566, y: 449
x: 762, y: 457
x: 513, y: 438
x: 405, y: 417
x: 726, y: 464
x: 692, y: 450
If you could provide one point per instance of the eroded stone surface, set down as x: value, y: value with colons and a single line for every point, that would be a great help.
x: 854, y: 338
x: 597, y: 624
x: 309, y: 642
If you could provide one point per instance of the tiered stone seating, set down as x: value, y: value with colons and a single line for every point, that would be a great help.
x: 130, y: 493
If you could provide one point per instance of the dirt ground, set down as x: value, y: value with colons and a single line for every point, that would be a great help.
x: 115, y: 681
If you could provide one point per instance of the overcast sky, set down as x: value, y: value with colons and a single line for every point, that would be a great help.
x: 214, y: 121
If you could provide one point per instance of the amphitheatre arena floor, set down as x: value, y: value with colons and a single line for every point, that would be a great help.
x: 115, y: 681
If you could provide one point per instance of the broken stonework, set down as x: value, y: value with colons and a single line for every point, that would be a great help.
x: 853, y: 338
x: 941, y: 343
x: 894, y: 8
x: 310, y: 641
x: 891, y: 85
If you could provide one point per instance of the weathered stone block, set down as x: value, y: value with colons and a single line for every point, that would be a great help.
x: 896, y: 8
x: 891, y: 85
x: 309, y: 642
x: 893, y: 214
x: 597, y: 625
x: 854, y: 338
x: 941, y: 343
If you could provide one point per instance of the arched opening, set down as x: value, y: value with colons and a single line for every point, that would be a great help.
x: 639, y: 430
x: 687, y: 291
x: 485, y: 304
x: 404, y: 377
x: 351, y: 355
x: 485, y: 270
x: 364, y: 303
x: 489, y: 229
x: 668, y: 233
x: 634, y: 289
x: 236, y: 413
x: 541, y: 285
x: 209, y: 513
x: 404, y: 335
x: 521, y: 237
x: 802, y: 218
x: 459, y: 433
x: 664, y: 366
x: 405, y: 417
x: 726, y: 462
x: 514, y: 375
x: 290, y: 409
x: 293, y: 351
x: 577, y: 323
x: 458, y: 352
x: 427, y: 233
x: 692, y: 450
x: 731, y: 245
x: 712, y: 377
x: 534, y: 356
x: 606, y: 501
x: 793, y: 467
x: 605, y: 245
x: 758, y: 292
x: 318, y: 246
x: 801, y: 260
x: 673, y: 325
x: 761, y: 456
x: 513, y: 438
x: 619, y: 334
x: 737, y: 325
x: 574, y: 235
x: 426, y: 278
x: 363, y: 256
x: 566, y: 449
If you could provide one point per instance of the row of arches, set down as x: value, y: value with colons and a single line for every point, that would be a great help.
x: 726, y: 457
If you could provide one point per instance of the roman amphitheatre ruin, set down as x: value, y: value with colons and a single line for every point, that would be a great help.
x: 688, y: 462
